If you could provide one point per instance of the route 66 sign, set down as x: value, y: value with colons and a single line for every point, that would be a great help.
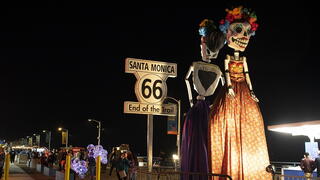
x: 150, y: 87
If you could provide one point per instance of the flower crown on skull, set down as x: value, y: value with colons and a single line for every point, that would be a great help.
x: 239, y: 14
x: 206, y: 27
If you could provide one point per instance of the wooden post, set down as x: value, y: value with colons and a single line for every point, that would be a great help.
x: 7, y: 167
x: 67, y: 168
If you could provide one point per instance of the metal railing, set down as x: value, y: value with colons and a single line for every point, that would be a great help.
x: 173, y: 175
x: 278, y: 166
x: 287, y: 177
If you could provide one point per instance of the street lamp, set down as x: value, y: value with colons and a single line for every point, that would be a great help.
x: 49, y: 140
x: 99, y: 128
x: 67, y: 134
x: 178, y: 135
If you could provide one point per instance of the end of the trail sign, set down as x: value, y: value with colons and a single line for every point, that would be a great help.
x: 155, y: 109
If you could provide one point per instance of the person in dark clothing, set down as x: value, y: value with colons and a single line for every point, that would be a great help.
x: 81, y: 154
x: 12, y: 156
x: 51, y: 159
x: 307, y: 165
x: 317, y: 161
x: 123, y: 165
x: 2, y: 159
x: 91, y: 165
x: 113, y: 158
x: 59, y: 159
x: 133, y: 160
x: 63, y: 159
x: 43, y: 160
x: 29, y: 156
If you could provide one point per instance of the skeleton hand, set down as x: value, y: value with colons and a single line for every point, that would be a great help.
x: 253, y: 96
x: 231, y: 92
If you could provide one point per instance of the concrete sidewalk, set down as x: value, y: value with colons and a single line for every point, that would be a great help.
x: 22, y: 172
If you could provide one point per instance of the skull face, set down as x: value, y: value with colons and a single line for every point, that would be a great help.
x: 211, y: 45
x: 238, y: 35
x: 207, y: 54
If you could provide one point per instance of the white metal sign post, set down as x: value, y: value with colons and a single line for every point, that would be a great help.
x: 151, y: 90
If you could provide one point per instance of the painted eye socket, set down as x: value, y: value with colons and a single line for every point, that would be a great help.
x: 238, y: 28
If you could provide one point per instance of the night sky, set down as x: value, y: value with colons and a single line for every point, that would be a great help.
x: 60, y: 66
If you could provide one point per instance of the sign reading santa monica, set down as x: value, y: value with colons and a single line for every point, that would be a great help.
x: 150, y: 87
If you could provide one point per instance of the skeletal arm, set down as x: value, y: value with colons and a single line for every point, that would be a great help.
x: 188, y: 85
x: 228, y: 80
x: 246, y: 72
x: 222, y: 80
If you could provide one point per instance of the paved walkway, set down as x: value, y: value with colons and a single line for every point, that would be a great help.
x: 22, y: 172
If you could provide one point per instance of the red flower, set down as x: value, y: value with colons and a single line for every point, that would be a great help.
x: 237, y: 16
x: 254, y: 26
x: 221, y: 21
x: 229, y: 17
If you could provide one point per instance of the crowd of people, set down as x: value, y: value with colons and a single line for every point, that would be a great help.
x: 46, y: 158
x: 123, y: 162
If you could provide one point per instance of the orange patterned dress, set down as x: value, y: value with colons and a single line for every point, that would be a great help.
x: 237, y: 143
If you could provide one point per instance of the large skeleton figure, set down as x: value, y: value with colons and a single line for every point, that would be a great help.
x: 238, y: 37
x: 237, y: 144
x: 206, y: 77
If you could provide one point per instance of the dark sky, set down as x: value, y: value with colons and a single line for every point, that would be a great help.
x: 61, y: 66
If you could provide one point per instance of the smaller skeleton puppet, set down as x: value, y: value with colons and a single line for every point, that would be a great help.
x: 237, y: 143
x: 206, y: 77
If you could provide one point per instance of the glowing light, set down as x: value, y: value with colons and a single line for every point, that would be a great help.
x: 79, y: 166
x: 96, y: 151
x: 90, y: 147
x: 308, y: 128
x: 141, y: 164
x: 175, y: 157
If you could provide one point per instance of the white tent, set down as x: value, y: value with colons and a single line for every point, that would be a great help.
x: 307, y: 128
